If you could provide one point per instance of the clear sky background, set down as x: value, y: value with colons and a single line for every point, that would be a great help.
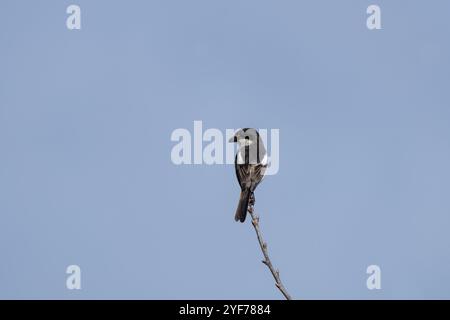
x: 86, y: 176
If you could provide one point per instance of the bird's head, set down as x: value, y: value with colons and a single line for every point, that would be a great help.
x: 245, y: 137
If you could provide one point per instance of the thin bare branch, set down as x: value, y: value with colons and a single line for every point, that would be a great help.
x: 263, y: 245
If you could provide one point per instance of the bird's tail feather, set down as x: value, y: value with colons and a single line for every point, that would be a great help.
x: 241, y: 211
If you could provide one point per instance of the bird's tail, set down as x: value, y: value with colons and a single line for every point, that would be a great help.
x: 241, y: 211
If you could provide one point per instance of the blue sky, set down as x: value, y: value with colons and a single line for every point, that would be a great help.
x: 86, y: 176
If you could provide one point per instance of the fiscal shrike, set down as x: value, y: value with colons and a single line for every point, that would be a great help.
x: 250, y: 164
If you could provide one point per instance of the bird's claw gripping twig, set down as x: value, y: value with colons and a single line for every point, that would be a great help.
x: 251, y: 201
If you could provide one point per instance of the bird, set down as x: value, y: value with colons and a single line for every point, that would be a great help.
x: 250, y: 164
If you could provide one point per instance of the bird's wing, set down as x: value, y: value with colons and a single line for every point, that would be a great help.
x: 258, y: 174
x: 242, y: 173
x: 260, y: 170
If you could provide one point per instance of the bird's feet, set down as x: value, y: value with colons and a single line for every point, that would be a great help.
x: 251, y: 201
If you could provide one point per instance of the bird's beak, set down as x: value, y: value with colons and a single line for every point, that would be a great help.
x: 233, y: 139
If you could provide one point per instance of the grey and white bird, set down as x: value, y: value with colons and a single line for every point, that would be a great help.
x: 250, y: 164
